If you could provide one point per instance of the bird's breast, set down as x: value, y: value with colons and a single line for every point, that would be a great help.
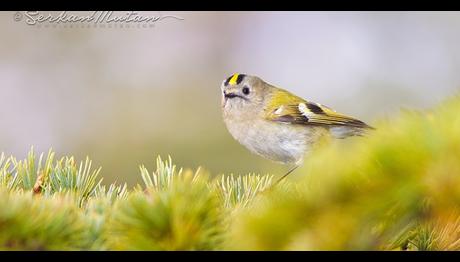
x: 276, y: 141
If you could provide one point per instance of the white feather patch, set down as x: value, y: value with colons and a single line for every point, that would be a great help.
x: 279, y: 110
x: 304, y: 110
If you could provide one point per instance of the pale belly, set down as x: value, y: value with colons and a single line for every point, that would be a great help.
x: 276, y: 141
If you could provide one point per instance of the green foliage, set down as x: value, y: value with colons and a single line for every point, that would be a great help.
x: 183, y: 216
x: 39, y: 223
x: 240, y: 191
x: 377, y: 192
x: 175, y: 211
x: 165, y: 175
x: 398, y: 188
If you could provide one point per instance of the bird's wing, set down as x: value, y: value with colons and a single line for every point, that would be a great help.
x: 288, y: 108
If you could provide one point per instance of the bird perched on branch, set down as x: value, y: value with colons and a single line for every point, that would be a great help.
x: 276, y: 124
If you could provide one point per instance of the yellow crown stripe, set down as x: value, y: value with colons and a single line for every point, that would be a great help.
x: 233, y: 79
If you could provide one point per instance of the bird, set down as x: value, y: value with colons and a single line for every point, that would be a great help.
x: 277, y: 124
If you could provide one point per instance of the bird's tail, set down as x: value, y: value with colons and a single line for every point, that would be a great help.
x: 346, y: 131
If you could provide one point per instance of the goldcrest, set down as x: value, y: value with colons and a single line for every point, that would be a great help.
x: 276, y: 124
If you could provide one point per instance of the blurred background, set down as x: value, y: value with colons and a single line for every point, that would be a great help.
x: 122, y: 96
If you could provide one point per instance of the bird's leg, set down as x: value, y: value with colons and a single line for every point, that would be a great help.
x: 285, y: 175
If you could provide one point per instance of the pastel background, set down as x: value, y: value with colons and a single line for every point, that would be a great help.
x: 122, y: 96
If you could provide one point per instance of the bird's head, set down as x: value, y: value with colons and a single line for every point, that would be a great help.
x: 243, y: 92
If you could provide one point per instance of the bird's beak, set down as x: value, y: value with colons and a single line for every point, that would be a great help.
x: 226, y: 95
x: 229, y: 92
x: 229, y: 95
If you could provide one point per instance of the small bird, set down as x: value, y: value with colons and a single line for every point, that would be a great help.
x: 278, y: 125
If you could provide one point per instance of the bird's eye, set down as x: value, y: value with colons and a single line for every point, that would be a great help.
x: 246, y: 90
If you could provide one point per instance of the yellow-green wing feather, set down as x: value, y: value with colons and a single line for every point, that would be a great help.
x: 285, y: 107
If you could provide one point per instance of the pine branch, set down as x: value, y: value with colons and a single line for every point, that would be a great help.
x: 242, y: 189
